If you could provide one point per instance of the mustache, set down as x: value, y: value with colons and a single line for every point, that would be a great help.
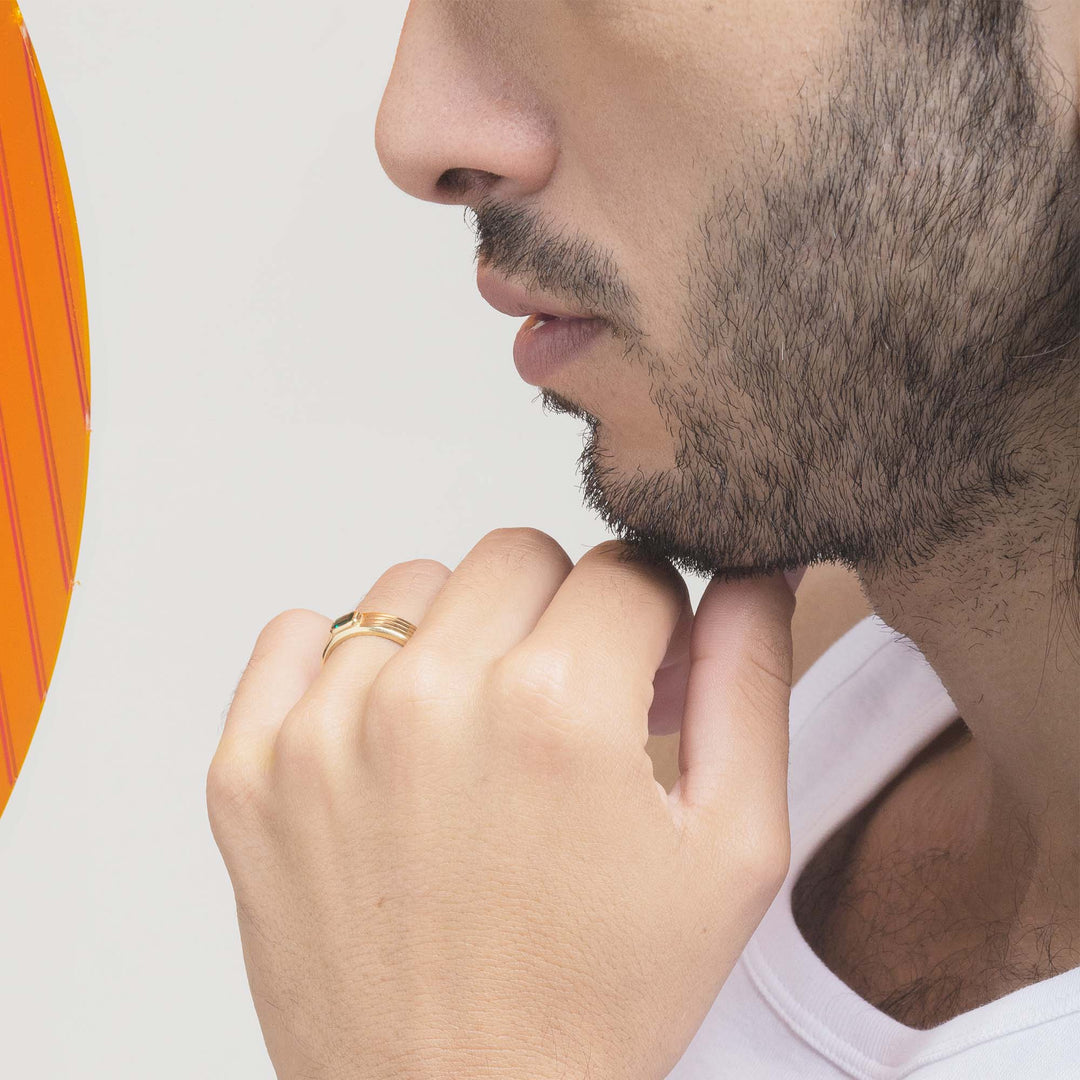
x: 519, y: 243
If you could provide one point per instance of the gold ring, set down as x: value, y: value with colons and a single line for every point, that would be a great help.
x: 378, y: 623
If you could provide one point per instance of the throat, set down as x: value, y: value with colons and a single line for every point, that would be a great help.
x: 915, y: 908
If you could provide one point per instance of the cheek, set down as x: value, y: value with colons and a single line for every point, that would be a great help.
x: 670, y: 95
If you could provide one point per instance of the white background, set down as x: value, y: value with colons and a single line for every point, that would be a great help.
x: 294, y: 385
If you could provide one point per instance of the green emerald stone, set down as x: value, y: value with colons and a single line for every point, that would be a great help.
x: 339, y: 623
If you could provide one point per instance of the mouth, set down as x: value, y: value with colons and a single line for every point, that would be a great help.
x: 545, y: 343
x: 550, y: 337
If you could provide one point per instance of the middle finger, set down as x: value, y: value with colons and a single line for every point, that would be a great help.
x: 609, y: 628
x: 494, y: 597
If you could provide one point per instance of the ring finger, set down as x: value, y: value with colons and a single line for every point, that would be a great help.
x: 407, y: 590
x: 286, y: 671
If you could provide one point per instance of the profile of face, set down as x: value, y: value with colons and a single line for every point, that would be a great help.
x: 835, y: 243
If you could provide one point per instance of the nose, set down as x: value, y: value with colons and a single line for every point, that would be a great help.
x: 455, y: 122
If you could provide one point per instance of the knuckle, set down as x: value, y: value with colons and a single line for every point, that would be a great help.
x: 300, y: 748
x: 531, y: 688
x: 386, y: 697
x: 233, y: 788
x: 633, y: 578
x: 621, y: 556
x: 621, y: 553
x: 314, y: 756
x: 763, y: 858
x: 416, y: 681
x: 415, y: 572
x: 524, y: 678
x: 522, y: 545
x: 412, y: 713
x: 520, y: 534
x: 291, y: 624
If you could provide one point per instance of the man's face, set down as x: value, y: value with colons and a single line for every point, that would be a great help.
x: 836, y: 243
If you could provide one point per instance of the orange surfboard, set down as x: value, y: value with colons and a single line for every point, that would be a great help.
x: 44, y: 394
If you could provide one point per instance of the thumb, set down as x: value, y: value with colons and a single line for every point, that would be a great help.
x: 733, y: 750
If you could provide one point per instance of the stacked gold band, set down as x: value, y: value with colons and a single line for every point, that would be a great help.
x: 377, y: 623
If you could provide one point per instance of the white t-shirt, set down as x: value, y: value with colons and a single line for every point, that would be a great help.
x: 858, y: 716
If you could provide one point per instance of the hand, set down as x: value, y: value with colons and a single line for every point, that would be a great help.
x: 451, y: 858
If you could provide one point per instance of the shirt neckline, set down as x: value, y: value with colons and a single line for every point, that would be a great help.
x: 812, y: 1000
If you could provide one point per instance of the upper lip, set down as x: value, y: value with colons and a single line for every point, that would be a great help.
x: 511, y: 299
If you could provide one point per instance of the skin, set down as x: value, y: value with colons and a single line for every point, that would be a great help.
x: 841, y: 329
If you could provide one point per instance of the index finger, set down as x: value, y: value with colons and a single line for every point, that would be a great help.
x: 610, y: 624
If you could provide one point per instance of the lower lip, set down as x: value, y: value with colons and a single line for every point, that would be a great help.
x: 540, y: 350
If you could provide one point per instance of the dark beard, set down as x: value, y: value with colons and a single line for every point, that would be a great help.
x: 879, y: 355
x: 883, y: 349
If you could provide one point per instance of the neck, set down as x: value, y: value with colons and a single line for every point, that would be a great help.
x: 998, y: 618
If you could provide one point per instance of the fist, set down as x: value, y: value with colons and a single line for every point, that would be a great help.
x: 451, y: 857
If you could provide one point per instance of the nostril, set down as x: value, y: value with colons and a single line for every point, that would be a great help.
x: 462, y: 183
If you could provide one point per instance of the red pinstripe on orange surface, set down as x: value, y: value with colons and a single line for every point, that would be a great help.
x: 48, y: 169
x: 44, y: 394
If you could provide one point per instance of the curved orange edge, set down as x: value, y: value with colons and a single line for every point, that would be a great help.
x: 44, y: 394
